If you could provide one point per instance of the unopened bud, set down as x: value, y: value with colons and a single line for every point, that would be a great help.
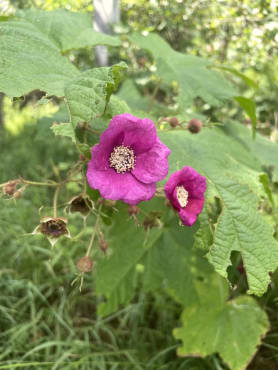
x: 18, y: 194
x: 10, y: 187
x: 174, y: 122
x: 103, y: 245
x: 107, y: 202
x: 195, y: 126
x: 85, y: 264
x: 168, y: 203
x: 133, y: 210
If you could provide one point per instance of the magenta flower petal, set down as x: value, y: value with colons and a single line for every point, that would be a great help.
x: 116, y: 186
x: 128, y: 161
x: 152, y: 166
x: 140, y: 134
x: 185, y: 189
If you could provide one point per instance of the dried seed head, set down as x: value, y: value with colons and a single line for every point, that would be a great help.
x: 85, y: 264
x: 81, y: 204
x: 122, y: 159
x: 53, y: 227
x: 195, y: 126
x: 174, y: 122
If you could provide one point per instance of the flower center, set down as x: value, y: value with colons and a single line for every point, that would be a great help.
x: 122, y: 159
x: 182, y: 196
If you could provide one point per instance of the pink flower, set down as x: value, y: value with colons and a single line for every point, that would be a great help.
x: 128, y: 161
x: 185, y: 189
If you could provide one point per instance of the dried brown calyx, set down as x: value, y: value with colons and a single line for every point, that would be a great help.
x: 52, y: 228
x: 81, y: 204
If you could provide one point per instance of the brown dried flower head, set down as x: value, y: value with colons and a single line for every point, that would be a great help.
x: 53, y: 228
x: 81, y: 204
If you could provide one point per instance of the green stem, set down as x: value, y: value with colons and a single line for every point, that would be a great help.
x: 35, y: 183
x: 152, y: 99
x: 93, y: 234
x: 55, y: 199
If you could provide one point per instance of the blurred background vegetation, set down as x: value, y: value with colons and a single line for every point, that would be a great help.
x: 44, y: 321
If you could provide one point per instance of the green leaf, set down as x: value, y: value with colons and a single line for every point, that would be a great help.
x: 242, y: 228
x: 264, y: 150
x: 242, y: 76
x: 64, y: 129
x: 116, y: 276
x: 203, y: 238
x: 265, y: 181
x: 29, y: 61
x: 232, y: 173
x: 85, y: 150
x: 250, y: 108
x: 68, y: 30
x: 88, y: 95
x: 116, y: 106
x: 233, y: 329
x: 167, y: 256
x: 193, y: 74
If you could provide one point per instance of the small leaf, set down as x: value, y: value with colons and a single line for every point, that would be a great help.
x: 64, y: 129
x: 250, y: 108
x: 85, y: 150
x: 89, y: 94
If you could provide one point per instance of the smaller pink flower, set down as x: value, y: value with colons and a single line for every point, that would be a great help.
x: 185, y: 190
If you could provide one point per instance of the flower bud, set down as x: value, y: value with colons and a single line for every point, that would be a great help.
x: 107, y: 202
x: 174, y: 122
x: 10, y: 187
x: 103, y: 245
x: 133, y: 210
x: 195, y: 126
x: 18, y: 194
x: 85, y: 264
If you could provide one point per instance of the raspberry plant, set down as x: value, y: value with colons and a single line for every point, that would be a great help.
x: 145, y: 243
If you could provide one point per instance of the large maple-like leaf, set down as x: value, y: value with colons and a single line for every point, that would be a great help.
x: 218, y: 325
x: 232, y: 171
x: 193, y: 74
